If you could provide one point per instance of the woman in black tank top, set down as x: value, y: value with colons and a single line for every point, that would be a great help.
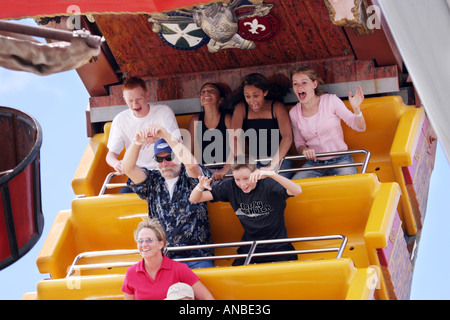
x: 208, y: 130
x: 264, y: 120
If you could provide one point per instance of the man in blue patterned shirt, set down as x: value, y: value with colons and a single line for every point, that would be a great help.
x: 167, y: 191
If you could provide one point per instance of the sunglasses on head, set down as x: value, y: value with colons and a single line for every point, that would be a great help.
x: 160, y: 159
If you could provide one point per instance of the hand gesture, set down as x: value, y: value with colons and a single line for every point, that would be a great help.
x: 149, y: 135
x: 270, y: 167
x: 357, y: 99
x: 156, y: 130
x: 118, y: 168
x: 260, y: 174
x: 204, y: 183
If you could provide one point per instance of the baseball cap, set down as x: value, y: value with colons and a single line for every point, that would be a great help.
x: 162, y: 146
x: 179, y: 291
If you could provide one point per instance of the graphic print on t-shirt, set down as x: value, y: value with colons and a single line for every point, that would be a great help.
x: 253, y: 209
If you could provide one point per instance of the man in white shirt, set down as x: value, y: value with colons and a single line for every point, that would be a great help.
x: 140, y: 114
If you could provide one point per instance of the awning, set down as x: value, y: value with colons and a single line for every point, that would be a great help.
x: 44, y: 59
x: 21, y: 52
x: 421, y: 32
x: 33, y: 8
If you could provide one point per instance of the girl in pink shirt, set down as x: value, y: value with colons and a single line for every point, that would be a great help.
x: 316, y: 124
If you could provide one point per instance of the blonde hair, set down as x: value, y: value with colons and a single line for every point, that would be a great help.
x: 153, y: 224
x: 312, y: 75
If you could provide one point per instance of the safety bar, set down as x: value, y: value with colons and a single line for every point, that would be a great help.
x: 108, y: 185
x: 248, y: 256
x: 364, y: 164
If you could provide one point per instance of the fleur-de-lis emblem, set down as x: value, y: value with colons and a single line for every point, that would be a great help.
x: 254, y: 26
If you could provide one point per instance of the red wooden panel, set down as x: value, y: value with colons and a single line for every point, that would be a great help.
x: 5, y: 251
x: 22, y: 195
x: 305, y: 33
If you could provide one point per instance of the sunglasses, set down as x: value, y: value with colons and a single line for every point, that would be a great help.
x: 159, y: 159
x: 147, y: 241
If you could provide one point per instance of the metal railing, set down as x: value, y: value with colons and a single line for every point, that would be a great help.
x: 363, y: 165
x: 248, y: 256
x: 108, y: 185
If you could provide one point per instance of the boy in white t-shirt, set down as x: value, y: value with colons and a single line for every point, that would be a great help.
x: 140, y: 114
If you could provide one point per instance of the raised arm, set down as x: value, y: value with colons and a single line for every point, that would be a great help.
x: 355, y: 102
x: 220, y: 174
x: 195, y: 147
x: 129, y: 167
x: 292, y: 188
x: 282, y: 116
x: 179, y: 149
x: 201, y: 192
x: 236, y: 127
x: 112, y: 159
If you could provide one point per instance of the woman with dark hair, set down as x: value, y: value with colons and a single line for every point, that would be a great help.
x: 264, y: 120
x: 208, y: 130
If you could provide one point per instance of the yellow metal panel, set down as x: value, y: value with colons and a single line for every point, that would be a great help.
x: 402, y: 153
x: 30, y: 296
x: 407, y: 136
x: 331, y: 205
x: 364, y: 283
x: 107, y: 222
x: 351, y: 206
x: 58, y: 249
x: 183, y: 120
x: 360, y: 206
x: 382, y: 116
x: 382, y: 215
x: 92, y: 169
x: 328, y: 279
x: 81, y: 288
x: 393, y: 130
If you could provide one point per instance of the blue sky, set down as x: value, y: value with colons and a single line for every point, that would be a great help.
x: 58, y: 103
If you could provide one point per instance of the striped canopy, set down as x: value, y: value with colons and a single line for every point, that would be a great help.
x: 35, y: 8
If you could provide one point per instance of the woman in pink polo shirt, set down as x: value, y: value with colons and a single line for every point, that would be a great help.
x: 316, y: 123
x: 150, y: 278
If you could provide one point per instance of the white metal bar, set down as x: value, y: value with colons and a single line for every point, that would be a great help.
x: 74, y: 267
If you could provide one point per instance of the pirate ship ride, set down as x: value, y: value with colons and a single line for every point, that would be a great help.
x: 355, y: 235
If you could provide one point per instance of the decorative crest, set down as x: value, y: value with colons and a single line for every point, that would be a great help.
x: 221, y: 25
